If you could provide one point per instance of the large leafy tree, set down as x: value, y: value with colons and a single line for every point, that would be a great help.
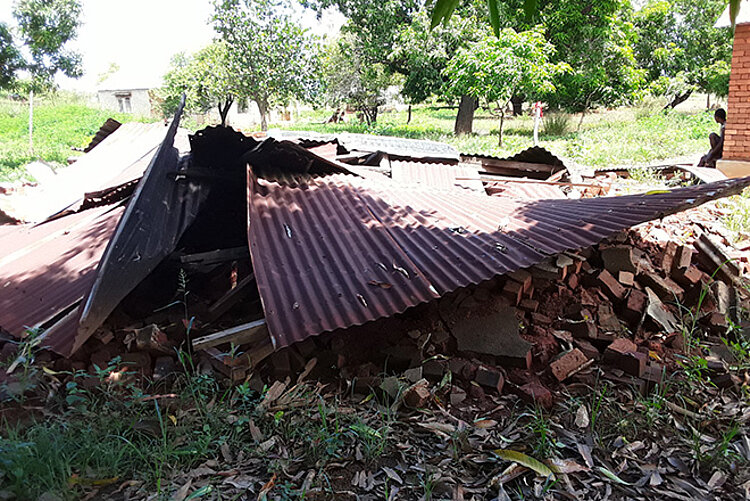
x: 596, y: 41
x: 10, y: 58
x: 370, y: 36
x: 442, y: 10
x: 205, y: 80
x: 497, y: 68
x: 270, y: 57
x: 350, y: 81
x: 421, y: 54
x: 680, y: 48
x: 46, y: 27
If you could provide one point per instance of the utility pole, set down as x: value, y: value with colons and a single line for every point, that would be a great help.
x: 31, y: 121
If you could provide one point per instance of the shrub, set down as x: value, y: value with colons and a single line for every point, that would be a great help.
x: 556, y: 124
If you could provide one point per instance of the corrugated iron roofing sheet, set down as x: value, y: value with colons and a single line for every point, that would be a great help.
x: 47, y: 268
x: 341, y: 251
x: 436, y: 175
x: 522, y: 190
x: 107, y: 128
x: 413, y: 148
x: 98, y: 169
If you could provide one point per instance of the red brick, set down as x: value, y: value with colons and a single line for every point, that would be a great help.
x: 490, y: 378
x: 535, y: 393
x: 611, y: 286
x: 626, y: 278
x: 567, y: 364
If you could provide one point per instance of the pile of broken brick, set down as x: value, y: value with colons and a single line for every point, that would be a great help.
x: 630, y: 307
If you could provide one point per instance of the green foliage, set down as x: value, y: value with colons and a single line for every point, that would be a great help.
x: 46, y: 26
x: 716, y: 78
x: 350, y: 80
x: 597, y: 43
x: 204, y: 78
x: 270, y: 57
x: 421, y: 54
x: 556, y: 124
x: 497, y: 68
x: 677, y: 40
x: 11, y: 59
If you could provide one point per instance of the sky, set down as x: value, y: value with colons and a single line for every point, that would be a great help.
x: 141, y: 36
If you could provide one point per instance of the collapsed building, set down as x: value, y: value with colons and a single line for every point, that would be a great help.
x: 296, y: 247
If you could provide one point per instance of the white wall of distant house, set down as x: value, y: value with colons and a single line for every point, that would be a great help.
x: 134, y: 101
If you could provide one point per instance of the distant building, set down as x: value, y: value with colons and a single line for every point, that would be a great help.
x: 126, y: 96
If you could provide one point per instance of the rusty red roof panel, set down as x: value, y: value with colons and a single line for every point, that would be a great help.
x: 523, y: 190
x: 340, y: 251
x: 436, y: 175
x: 47, y: 268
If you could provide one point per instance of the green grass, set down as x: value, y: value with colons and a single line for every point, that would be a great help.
x: 615, y: 137
x: 607, y: 138
x: 61, y: 122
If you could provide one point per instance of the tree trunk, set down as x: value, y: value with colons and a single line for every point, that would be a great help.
x: 580, y: 122
x: 263, y: 109
x: 408, y: 117
x: 224, y: 110
x: 708, y: 101
x: 517, y: 102
x: 679, y: 98
x: 502, y: 122
x: 465, y: 116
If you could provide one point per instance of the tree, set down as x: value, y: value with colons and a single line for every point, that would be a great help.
x: 371, y: 32
x: 46, y: 27
x: 10, y: 58
x: 497, y: 68
x: 443, y: 10
x: 421, y: 54
x: 677, y: 41
x: 596, y: 41
x: 348, y: 80
x: 269, y: 56
x: 205, y: 80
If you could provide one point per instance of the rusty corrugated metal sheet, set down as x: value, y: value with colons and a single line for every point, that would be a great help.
x: 341, y: 251
x: 399, y: 146
x: 116, y: 155
x: 163, y: 206
x: 47, y: 268
x: 436, y: 175
x: 107, y: 128
x: 524, y: 191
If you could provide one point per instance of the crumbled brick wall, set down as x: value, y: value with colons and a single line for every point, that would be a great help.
x: 737, y: 132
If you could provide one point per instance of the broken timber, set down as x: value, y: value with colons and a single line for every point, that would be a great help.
x: 253, y: 333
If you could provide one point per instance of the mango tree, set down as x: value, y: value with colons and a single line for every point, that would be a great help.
x: 496, y: 68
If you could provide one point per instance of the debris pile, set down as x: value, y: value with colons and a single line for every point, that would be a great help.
x: 265, y: 259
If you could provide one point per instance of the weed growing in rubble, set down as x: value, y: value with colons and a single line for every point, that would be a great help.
x: 737, y: 220
x: 544, y: 444
x: 598, y: 397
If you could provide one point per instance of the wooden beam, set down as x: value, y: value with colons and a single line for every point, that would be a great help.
x: 225, y: 302
x: 216, y: 256
x: 250, y: 333
x: 490, y: 163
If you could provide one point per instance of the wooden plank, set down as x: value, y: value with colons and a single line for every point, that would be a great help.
x: 491, y: 163
x: 225, y: 303
x: 250, y: 333
x: 485, y: 176
x: 216, y: 256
